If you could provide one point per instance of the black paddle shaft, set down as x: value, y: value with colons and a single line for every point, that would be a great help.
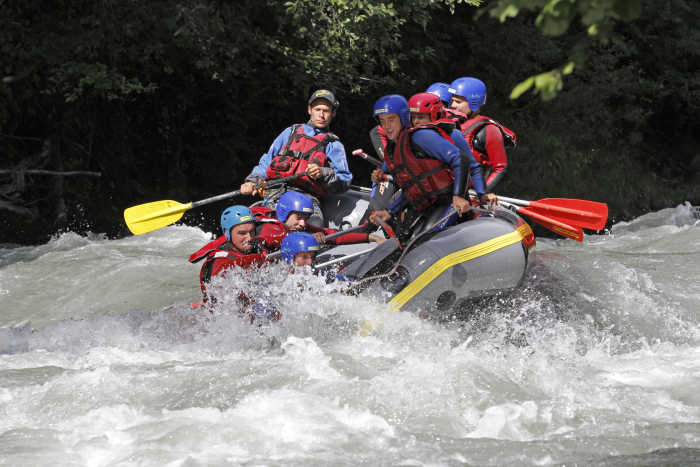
x: 231, y: 194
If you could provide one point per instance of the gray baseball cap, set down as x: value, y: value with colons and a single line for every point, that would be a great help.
x: 327, y: 95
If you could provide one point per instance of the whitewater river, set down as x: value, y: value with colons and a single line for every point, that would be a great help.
x: 103, y: 361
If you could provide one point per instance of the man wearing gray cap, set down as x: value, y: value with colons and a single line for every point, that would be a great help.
x: 307, y: 148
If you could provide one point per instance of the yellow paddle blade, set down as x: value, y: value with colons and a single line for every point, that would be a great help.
x: 153, y: 216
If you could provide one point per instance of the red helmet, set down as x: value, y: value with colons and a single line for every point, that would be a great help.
x: 426, y: 103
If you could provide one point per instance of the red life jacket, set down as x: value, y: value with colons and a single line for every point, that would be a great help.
x: 270, y: 231
x: 262, y: 214
x: 272, y: 235
x: 422, y: 179
x: 300, y: 151
x: 206, y: 249
x: 218, y: 260
x: 219, y: 257
x: 474, y: 131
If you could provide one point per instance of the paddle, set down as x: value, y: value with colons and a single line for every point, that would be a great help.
x: 367, y: 157
x: 554, y: 225
x: 564, y: 216
x: 343, y: 258
x: 575, y: 212
x: 152, y: 216
x: 376, y: 254
x: 371, y: 160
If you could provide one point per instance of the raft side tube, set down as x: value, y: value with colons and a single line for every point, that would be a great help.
x: 482, y: 256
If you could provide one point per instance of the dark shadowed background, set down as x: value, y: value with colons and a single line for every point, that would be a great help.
x: 178, y: 100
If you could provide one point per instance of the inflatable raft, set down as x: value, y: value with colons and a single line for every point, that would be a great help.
x: 482, y: 256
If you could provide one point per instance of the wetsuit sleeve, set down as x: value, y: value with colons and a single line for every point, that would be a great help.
x: 259, y: 171
x: 350, y: 237
x: 272, y: 234
x: 337, y: 177
x: 497, y: 156
x: 474, y: 166
x: 439, y: 148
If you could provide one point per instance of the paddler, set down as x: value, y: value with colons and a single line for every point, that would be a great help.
x: 427, y: 108
x: 433, y: 110
x: 308, y: 148
x: 442, y: 90
x: 237, y: 248
x: 299, y: 249
x: 487, y: 137
x: 424, y: 161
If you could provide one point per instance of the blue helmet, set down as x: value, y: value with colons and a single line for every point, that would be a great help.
x: 442, y: 90
x: 393, y: 104
x: 297, y: 242
x: 234, y: 215
x: 472, y: 89
x: 293, y: 201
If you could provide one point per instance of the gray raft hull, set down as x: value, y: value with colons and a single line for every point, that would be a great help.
x: 479, y: 257
x: 483, y: 256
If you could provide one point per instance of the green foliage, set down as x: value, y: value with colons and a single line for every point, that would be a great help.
x: 75, y: 80
x: 179, y: 99
x: 547, y: 84
x: 357, y: 45
x: 556, y: 17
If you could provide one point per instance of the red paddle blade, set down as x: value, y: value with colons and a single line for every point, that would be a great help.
x: 579, y: 212
x: 554, y: 225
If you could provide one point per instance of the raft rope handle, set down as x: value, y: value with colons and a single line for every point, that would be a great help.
x: 407, y: 249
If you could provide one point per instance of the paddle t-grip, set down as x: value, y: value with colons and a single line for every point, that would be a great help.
x: 367, y: 157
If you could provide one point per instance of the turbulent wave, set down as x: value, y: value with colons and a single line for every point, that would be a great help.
x: 595, y: 361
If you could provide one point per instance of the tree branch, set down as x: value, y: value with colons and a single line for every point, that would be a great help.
x: 54, y: 173
x: 16, y: 209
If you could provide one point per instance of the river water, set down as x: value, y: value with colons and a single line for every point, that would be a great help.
x: 596, y: 361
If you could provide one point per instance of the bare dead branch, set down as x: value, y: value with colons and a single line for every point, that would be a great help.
x: 54, y: 173
x: 21, y: 210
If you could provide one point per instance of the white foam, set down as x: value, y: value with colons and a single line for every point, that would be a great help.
x: 308, y: 355
x: 598, y: 355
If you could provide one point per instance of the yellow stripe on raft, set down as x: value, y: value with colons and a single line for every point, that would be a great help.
x: 441, y: 265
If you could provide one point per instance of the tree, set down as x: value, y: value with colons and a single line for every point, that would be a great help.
x: 591, y: 19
